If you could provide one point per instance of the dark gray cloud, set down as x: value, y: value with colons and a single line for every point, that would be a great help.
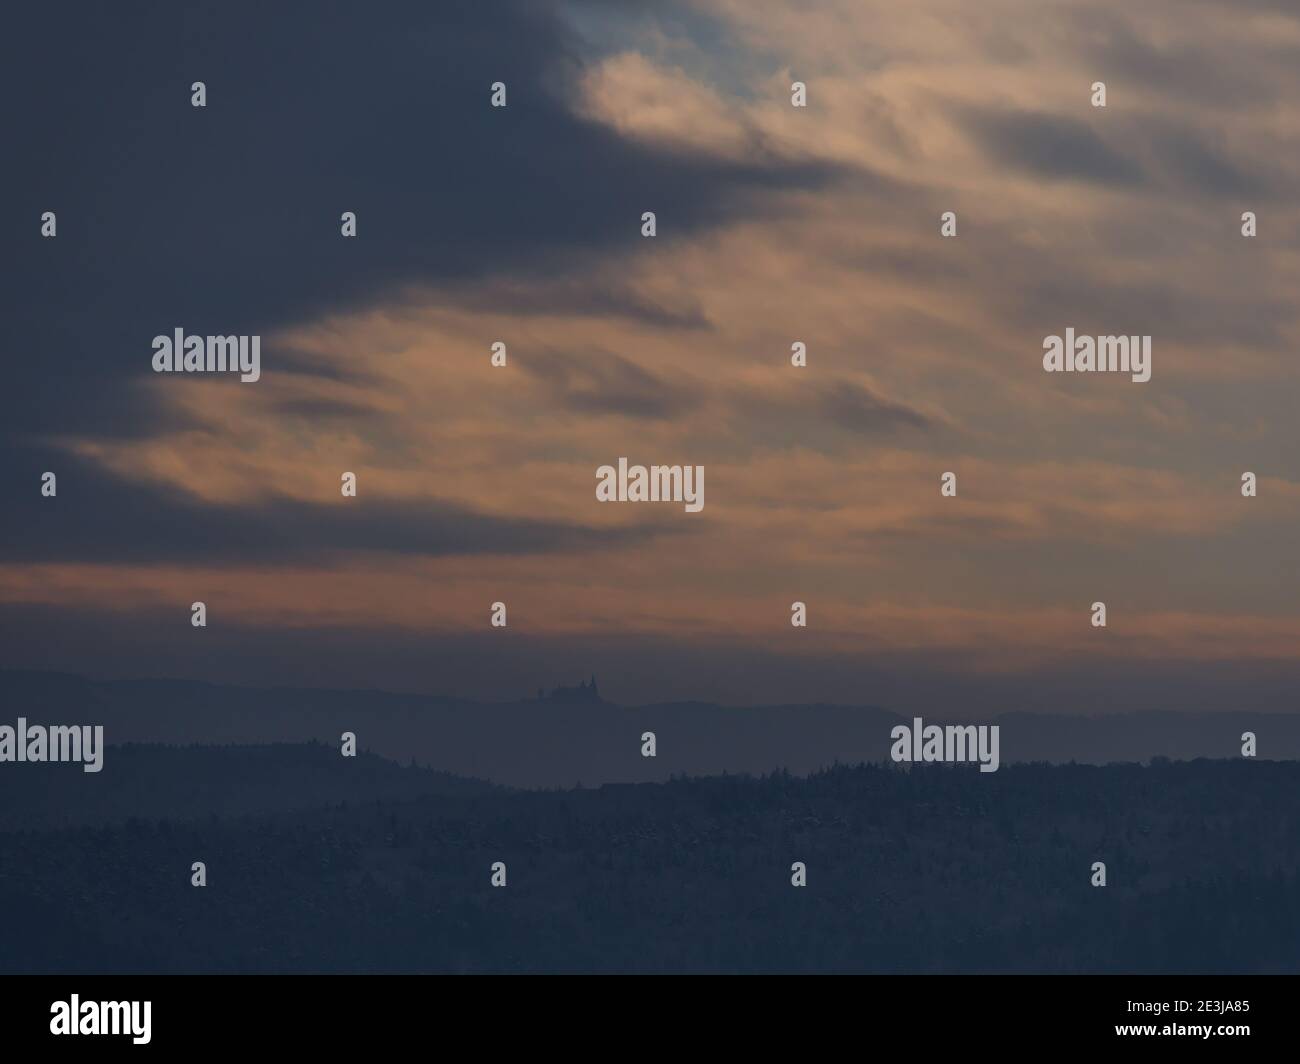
x: 1050, y: 146
x: 861, y: 410
x: 226, y: 219
x: 1160, y: 308
x: 327, y: 409
x: 587, y: 296
x: 99, y: 518
x: 602, y: 382
x: 1190, y: 162
x: 829, y: 417
x: 1209, y: 74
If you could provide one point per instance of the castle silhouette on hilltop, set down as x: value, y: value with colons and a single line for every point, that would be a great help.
x: 584, y: 692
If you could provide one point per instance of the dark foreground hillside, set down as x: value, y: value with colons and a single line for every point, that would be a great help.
x: 929, y: 870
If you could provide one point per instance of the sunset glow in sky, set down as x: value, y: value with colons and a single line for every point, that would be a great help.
x: 775, y: 224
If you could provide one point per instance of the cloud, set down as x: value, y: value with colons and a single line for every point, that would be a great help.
x: 1052, y: 146
x: 599, y: 383
x: 862, y: 410
x: 1192, y: 163
x: 817, y: 225
x: 99, y: 519
x: 226, y: 219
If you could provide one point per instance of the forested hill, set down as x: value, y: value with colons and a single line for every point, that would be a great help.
x: 929, y: 869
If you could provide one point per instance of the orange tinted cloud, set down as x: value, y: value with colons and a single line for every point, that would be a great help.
x: 924, y: 357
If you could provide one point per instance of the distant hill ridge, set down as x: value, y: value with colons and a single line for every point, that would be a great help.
x: 558, y: 742
x: 150, y: 781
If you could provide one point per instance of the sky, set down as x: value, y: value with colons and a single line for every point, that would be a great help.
x: 775, y: 225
